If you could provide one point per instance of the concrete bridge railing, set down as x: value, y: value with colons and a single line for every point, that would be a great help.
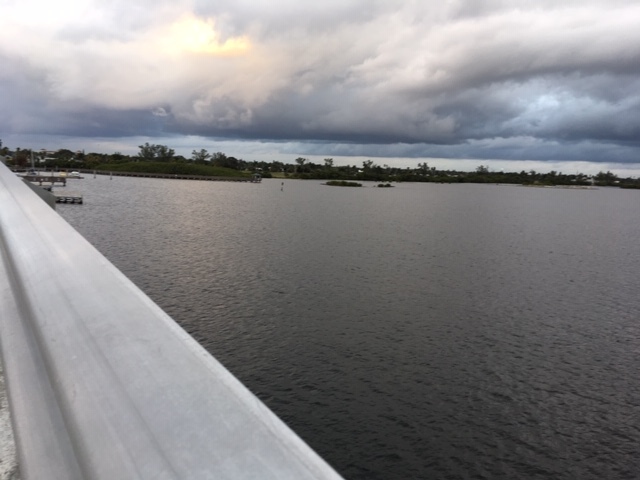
x: 103, y: 384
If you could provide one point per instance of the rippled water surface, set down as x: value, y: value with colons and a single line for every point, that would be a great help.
x: 422, y: 331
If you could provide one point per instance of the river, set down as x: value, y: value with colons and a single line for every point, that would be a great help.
x: 416, y: 332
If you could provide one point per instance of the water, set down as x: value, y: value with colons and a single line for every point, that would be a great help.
x: 424, y: 331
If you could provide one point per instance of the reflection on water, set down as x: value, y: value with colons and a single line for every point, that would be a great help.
x: 422, y: 331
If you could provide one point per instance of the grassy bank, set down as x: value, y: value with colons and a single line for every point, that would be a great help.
x: 172, y: 168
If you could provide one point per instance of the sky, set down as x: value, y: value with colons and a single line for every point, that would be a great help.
x: 511, y: 84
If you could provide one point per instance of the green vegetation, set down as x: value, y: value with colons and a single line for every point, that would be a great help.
x: 155, y: 153
x: 343, y: 183
x: 171, y: 168
x: 161, y: 159
x: 384, y: 185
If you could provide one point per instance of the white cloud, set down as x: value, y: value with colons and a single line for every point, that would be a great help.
x: 456, y: 72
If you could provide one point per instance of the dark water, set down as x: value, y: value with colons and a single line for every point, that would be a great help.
x: 423, y: 331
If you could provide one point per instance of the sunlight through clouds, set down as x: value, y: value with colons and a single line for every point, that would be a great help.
x: 195, y: 35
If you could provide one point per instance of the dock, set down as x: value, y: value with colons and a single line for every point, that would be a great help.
x: 68, y: 198
x: 47, y: 183
x: 40, y: 179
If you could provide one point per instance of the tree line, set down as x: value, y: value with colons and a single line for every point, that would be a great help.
x: 303, y: 168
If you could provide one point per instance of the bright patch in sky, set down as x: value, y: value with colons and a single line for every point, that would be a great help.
x: 192, y: 34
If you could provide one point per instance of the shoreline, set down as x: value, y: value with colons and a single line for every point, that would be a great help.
x: 569, y: 187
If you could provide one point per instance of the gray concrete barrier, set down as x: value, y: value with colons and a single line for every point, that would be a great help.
x: 8, y: 459
x: 103, y: 384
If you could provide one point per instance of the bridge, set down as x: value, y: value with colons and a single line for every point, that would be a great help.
x: 103, y: 384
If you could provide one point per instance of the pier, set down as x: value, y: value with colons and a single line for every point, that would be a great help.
x: 40, y: 179
x: 73, y: 198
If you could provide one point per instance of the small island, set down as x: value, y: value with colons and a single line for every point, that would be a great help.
x: 342, y: 183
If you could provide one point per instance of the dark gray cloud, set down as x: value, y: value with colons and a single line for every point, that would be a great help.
x: 461, y: 79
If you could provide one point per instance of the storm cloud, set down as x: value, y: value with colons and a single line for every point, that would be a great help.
x: 542, y: 80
